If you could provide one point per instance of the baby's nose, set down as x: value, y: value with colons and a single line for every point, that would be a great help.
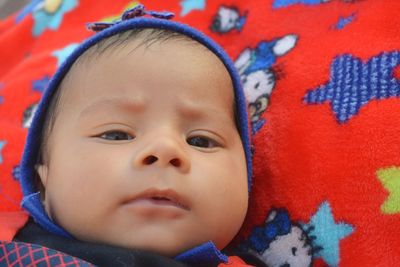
x: 164, y: 151
x: 151, y: 159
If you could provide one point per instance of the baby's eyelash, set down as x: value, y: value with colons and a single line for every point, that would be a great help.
x: 115, y: 135
x: 202, y: 142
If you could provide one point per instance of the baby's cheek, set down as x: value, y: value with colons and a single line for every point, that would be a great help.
x: 227, y: 219
x: 226, y: 207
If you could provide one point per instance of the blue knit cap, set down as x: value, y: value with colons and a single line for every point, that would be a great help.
x: 136, y: 18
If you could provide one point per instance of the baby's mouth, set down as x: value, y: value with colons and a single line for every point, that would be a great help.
x: 166, y: 201
x: 156, y: 197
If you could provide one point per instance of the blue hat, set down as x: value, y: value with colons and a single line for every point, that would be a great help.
x: 136, y: 18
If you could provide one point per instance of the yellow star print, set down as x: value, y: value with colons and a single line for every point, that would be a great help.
x: 51, y: 6
x: 390, y: 179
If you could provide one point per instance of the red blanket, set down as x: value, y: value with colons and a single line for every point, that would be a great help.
x: 322, y: 80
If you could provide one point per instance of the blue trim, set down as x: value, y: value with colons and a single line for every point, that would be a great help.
x: 33, y: 205
x: 206, y: 253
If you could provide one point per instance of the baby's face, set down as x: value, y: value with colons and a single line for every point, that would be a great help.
x: 145, y: 152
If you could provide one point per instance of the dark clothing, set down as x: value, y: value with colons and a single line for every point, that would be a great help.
x: 105, y: 255
x: 100, y: 255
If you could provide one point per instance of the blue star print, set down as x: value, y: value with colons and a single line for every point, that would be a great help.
x: 63, y: 53
x: 354, y: 83
x: 2, y: 144
x: 189, y: 5
x: 285, y: 3
x: 344, y: 21
x: 45, y: 20
x: 41, y: 84
x: 328, y: 234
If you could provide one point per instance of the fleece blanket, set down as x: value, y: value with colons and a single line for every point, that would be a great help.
x: 322, y: 81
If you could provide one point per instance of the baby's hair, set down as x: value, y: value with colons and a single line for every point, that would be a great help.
x: 147, y: 36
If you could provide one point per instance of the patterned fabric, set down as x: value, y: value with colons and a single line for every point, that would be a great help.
x: 24, y: 254
x: 234, y: 262
x: 322, y: 81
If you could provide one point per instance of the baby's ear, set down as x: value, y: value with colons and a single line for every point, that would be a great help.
x: 42, y: 171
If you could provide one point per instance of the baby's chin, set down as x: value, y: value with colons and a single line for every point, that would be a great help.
x: 171, y: 244
x: 169, y: 250
x: 165, y: 246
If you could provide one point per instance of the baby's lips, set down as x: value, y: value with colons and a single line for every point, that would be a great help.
x: 168, y: 197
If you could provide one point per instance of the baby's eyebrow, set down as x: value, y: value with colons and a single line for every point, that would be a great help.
x: 193, y: 110
x: 131, y: 104
x: 203, y: 112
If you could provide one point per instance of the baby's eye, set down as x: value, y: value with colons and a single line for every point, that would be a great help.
x: 116, y: 136
x: 201, y: 141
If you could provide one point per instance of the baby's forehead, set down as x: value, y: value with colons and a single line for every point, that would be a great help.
x: 144, y: 41
x: 140, y: 47
x: 133, y: 39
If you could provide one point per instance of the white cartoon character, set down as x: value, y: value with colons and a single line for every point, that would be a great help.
x: 291, y: 250
x: 28, y: 115
x: 258, y: 87
x: 257, y: 75
x: 280, y: 243
x: 227, y: 19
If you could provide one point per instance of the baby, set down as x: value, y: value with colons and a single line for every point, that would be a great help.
x: 141, y: 141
